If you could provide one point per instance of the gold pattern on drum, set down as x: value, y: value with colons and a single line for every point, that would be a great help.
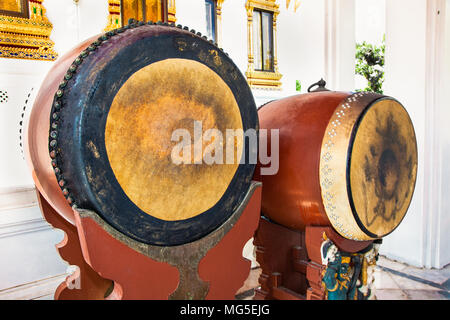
x: 156, y: 100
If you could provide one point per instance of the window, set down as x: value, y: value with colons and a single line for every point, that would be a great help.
x: 211, y: 19
x: 14, y: 8
x: 263, y: 40
x: 214, y: 20
x: 262, y: 70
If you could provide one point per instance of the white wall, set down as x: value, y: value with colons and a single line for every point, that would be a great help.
x: 415, y: 74
x: 27, y: 242
x: 340, y: 44
x: 444, y: 239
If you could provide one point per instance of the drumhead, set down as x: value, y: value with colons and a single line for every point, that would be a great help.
x: 114, y: 127
x: 368, y: 166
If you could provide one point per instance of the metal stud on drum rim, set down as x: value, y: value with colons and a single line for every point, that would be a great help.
x: 71, y: 150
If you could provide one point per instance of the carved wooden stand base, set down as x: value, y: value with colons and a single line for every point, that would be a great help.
x: 85, y: 283
x: 291, y: 262
x: 209, y: 268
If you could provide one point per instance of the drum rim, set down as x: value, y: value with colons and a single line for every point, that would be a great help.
x: 333, y: 166
x: 241, y: 180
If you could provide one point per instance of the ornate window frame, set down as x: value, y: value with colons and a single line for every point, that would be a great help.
x: 115, y: 18
x: 26, y: 34
x: 171, y: 11
x: 256, y: 78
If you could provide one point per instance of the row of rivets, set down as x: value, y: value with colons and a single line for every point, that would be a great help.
x: 57, y: 105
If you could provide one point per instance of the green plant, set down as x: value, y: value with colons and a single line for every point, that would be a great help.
x: 369, y: 64
x: 298, y: 85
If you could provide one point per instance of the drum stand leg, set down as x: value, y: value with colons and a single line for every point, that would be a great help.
x: 291, y: 261
x: 84, y: 283
x: 209, y: 268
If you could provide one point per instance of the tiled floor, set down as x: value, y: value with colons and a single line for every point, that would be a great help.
x: 398, y: 281
x: 393, y: 281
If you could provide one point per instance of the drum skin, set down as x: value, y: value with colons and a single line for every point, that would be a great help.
x: 345, y: 160
x: 99, y: 133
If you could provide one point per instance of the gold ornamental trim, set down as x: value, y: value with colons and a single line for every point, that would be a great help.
x: 115, y: 13
x: 333, y: 165
x: 27, y: 38
x: 114, y: 17
x: 171, y: 11
x: 264, y: 79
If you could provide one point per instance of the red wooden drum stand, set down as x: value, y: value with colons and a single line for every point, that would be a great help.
x: 291, y: 260
x: 114, y: 266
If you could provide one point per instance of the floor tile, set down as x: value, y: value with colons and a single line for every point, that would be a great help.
x: 390, y: 294
x: 425, y: 295
x: 383, y: 280
x: 391, y: 264
x: 410, y: 284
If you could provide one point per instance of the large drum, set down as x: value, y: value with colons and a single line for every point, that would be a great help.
x: 345, y: 160
x: 102, y: 133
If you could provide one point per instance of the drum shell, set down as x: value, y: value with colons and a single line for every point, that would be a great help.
x: 37, y: 134
x: 69, y: 186
x: 346, y: 160
x: 292, y: 196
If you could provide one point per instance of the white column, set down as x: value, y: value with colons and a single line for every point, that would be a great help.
x: 340, y: 44
x: 414, y: 72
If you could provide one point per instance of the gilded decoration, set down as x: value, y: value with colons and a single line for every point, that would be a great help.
x: 171, y: 11
x: 114, y: 17
x: 143, y: 10
x: 25, y: 31
x: 257, y: 78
